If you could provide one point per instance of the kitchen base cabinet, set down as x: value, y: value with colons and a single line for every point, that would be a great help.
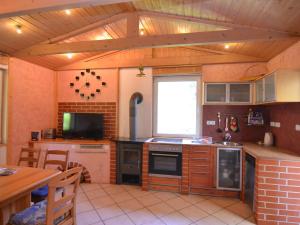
x: 201, y: 166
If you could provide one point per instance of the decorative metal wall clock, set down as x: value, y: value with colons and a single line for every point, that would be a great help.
x: 84, y: 81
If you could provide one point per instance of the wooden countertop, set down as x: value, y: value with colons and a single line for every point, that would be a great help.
x: 71, y: 141
x: 263, y: 152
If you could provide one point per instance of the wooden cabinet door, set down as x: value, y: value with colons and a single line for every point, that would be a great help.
x: 201, y: 166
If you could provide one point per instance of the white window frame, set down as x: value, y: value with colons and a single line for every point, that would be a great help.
x: 167, y: 78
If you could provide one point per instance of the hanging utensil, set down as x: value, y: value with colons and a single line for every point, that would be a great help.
x: 226, y: 125
x: 234, y: 127
x: 219, y: 130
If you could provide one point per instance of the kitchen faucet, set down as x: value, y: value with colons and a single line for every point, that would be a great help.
x: 227, y: 137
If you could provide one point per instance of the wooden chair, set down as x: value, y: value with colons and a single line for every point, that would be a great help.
x: 54, y: 211
x: 57, y: 159
x: 51, y: 158
x: 30, y: 156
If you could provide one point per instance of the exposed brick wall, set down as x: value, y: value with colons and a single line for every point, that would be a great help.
x: 109, y: 109
x: 277, y: 189
x: 145, y: 176
x: 113, y: 162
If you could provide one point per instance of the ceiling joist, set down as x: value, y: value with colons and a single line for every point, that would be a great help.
x: 11, y: 8
x: 169, y: 40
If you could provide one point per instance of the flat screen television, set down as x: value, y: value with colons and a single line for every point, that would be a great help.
x: 82, y: 125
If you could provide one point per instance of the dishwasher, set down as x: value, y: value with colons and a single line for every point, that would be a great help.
x: 229, y: 169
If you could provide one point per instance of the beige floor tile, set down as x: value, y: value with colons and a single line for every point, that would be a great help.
x: 176, y: 219
x: 246, y: 222
x: 81, y: 197
x: 121, y: 197
x: 131, y: 187
x: 148, y: 200
x: 208, y: 206
x: 120, y: 220
x: 102, y: 202
x: 142, y: 216
x: 110, y: 212
x: 88, y: 218
x: 193, y: 199
x: 161, y: 209
x: 130, y: 205
x: 178, y: 203
x: 112, y: 189
x: 136, y: 193
x: 228, y: 217
x: 210, y: 220
x: 155, y: 222
x: 83, y: 207
x: 193, y: 213
x: 98, y: 223
x: 90, y: 187
x: 165, y: 195
x: 241, y: 209
x: 95, y: 193
x: 224, y: 202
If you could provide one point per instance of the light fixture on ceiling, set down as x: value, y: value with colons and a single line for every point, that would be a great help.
x: 19, y: 29
x: 68, y: 11
x: 103, y: 36
x: 142, y: 32
x: 226, y: 46
x: 141, y: 73
x: 69, y: 55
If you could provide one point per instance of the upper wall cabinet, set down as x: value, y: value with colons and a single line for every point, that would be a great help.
x: 227, y: 93
x: 279, y: 86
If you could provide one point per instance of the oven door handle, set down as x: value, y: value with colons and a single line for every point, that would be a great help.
x: 168, y: 155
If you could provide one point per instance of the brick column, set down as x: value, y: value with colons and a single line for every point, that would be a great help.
x: 277, y: 186
x: 145, y: 168
x: 185, y: 170
x: 113, y: 162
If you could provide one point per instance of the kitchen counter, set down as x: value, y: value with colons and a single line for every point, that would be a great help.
x: 136, y: 140
x: 263, y: 152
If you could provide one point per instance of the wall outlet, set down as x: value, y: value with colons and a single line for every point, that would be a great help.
x: 210, y: 123
x: 297, y: 127
x: 275, y: 124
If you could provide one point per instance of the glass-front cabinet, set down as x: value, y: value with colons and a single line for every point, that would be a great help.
x: 270, y: 95
x: 259, y: 93
x: 227, y: 93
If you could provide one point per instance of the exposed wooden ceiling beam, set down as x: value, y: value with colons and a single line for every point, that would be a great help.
x: 123, y: 62
x: 205, y: 21
x: 103, y: 22
x: 169, y: 40
x: 11, y: 8
x: 133, y: 25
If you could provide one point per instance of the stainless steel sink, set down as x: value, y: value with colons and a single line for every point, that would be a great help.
x: 228, y: 143
x: 167, y: 140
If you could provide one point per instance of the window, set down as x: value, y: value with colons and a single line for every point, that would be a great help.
x: 176, y: 106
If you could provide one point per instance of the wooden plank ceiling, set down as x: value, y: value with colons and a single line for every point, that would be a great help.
x: 280, y: 15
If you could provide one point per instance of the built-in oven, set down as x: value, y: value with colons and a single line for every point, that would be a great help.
x: 165, y: 159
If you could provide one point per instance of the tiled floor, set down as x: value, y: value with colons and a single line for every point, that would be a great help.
x: 128, y: 205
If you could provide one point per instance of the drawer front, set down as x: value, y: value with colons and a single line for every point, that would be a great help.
x: 200, y: 179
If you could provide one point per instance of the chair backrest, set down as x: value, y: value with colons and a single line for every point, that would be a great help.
x: 31, y: 156
x: 64, y: 208
x: 58, y: 158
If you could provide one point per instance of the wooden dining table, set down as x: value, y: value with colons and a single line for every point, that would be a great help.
x: 15, y: 189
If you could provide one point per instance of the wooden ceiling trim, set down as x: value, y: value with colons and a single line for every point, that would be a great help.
x: 11, y: 8
x: 128, y: 62
x: 223, y: 24
x: 198, y: 38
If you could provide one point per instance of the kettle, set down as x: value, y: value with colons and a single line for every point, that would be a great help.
x: 268, y: 140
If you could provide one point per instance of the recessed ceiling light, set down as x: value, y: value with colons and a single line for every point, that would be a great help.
x: 70, y: 55
x: 142, y: 32
x: 226, y: 46
x: 19, y: 29
x: 68, y: 12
